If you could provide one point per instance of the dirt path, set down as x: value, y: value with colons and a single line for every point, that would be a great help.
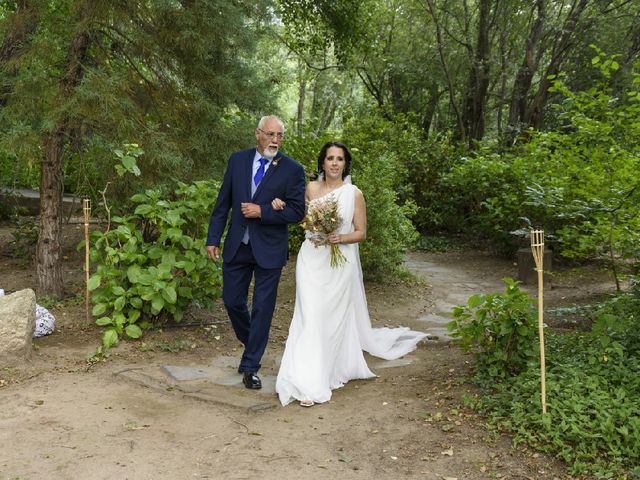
x: 64, y: 419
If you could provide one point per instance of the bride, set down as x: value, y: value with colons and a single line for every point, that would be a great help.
x: 331, y: 328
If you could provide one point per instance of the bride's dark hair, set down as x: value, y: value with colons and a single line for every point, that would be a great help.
x: 347, y: 157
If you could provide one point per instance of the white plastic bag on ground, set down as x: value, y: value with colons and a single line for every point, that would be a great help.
x: 45, y: 322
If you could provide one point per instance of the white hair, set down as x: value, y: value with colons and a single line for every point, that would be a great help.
x: 270, y: 117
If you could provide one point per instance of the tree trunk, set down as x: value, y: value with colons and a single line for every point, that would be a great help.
x: 476, y: 99
x: 48, y: 253
x: 522, y: 82
x: 431, y: 108
x: 327, y: 115
x: 431, y: 7
x: 302, y: 92
x: 49, y: 250
x: 559, y: 54
x: 634, y: 35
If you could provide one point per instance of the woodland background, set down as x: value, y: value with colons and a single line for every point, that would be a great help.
x: 474, y: 116
x: 470, y: 118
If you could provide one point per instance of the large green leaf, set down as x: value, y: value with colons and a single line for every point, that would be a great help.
x: 119, y: 304
x: 109, y: 338
x: 98, y: 309
x: 104, y: 321
x: 169, y: 294
x: 133, y: 316
x: 143, y: 209
x: 134, y: 273
x: 94, y: 281
x: 133, y: 331
x: 157, y: 303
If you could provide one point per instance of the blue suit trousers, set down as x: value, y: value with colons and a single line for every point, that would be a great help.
x: 252, y: 329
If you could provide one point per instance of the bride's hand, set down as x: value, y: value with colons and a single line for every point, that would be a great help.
x: 277, y: 204
x: 335, y: 238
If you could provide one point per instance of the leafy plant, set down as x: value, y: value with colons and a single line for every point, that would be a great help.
x: 500, y: 331
x: 128, y: 159
x: 153, y: 265
x: 432, y: 243
x: 593, y: 417
x: 593, y: 383
x: 577, y: 181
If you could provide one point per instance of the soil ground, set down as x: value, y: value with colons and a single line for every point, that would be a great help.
x: 65, y: 418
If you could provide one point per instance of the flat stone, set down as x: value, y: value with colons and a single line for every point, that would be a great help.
x: 181, y: 373
x: 434, y: 319
x: 207, y: 384
x: 398, y: 362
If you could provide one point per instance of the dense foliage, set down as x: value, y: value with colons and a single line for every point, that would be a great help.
x: 500, y: 330
x: 578, y: 182
x: 151, y: 266
x: 592, y: 382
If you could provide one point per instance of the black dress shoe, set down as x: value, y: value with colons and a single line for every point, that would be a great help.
x: 251, y: 380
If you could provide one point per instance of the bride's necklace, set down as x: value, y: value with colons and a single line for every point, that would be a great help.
x: 326, y: 188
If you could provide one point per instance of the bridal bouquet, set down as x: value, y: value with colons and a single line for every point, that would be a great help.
x: 321, y: 220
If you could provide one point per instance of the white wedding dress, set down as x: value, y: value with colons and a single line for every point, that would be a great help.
x: 331, y: 326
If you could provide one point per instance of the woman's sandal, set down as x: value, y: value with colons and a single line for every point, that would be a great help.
x: 307, y: 403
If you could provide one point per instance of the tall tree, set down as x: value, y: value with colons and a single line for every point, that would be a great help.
x: 476, y: 97
x: 526, y: 71
x: 561, y: 49
x: 49, y: 250
x: 177, y: 78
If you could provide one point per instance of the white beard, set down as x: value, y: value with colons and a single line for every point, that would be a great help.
x: 270, y: 153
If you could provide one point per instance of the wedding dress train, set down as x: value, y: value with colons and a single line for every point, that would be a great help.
x: 331, y: 326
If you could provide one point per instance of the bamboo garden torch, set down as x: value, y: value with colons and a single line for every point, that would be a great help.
x: 537, y: 248
x: 86, y: 209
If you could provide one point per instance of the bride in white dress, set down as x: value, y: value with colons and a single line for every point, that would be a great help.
x: 331, y: 328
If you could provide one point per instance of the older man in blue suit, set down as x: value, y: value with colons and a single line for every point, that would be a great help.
x: 256, y: 243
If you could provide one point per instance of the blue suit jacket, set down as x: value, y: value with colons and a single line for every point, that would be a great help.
x: 269, y: 235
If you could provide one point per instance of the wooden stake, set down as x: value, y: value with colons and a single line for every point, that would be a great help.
x: 537, y: 248
x: 86, y: 209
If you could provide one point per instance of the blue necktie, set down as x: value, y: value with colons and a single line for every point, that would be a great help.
x: 260, y: 173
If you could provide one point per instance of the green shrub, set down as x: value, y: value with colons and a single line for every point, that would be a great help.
x: 390, y: 232
x: 617, y: 321
x: 24, y: 235
x: 578, y: 182
x: 592, y: 391
x: 500, y: 331
x: 152, y: 264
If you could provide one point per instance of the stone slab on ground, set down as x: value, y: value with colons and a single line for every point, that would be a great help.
x: 207, y: 390
x: 220, y: 383
x: 398, y: 362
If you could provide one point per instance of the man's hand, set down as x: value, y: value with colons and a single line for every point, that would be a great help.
x: 250, y: 210
x: 213, y: 252
x: 278, y: 204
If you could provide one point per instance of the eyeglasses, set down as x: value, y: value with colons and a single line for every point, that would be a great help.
x: 278, y: 135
